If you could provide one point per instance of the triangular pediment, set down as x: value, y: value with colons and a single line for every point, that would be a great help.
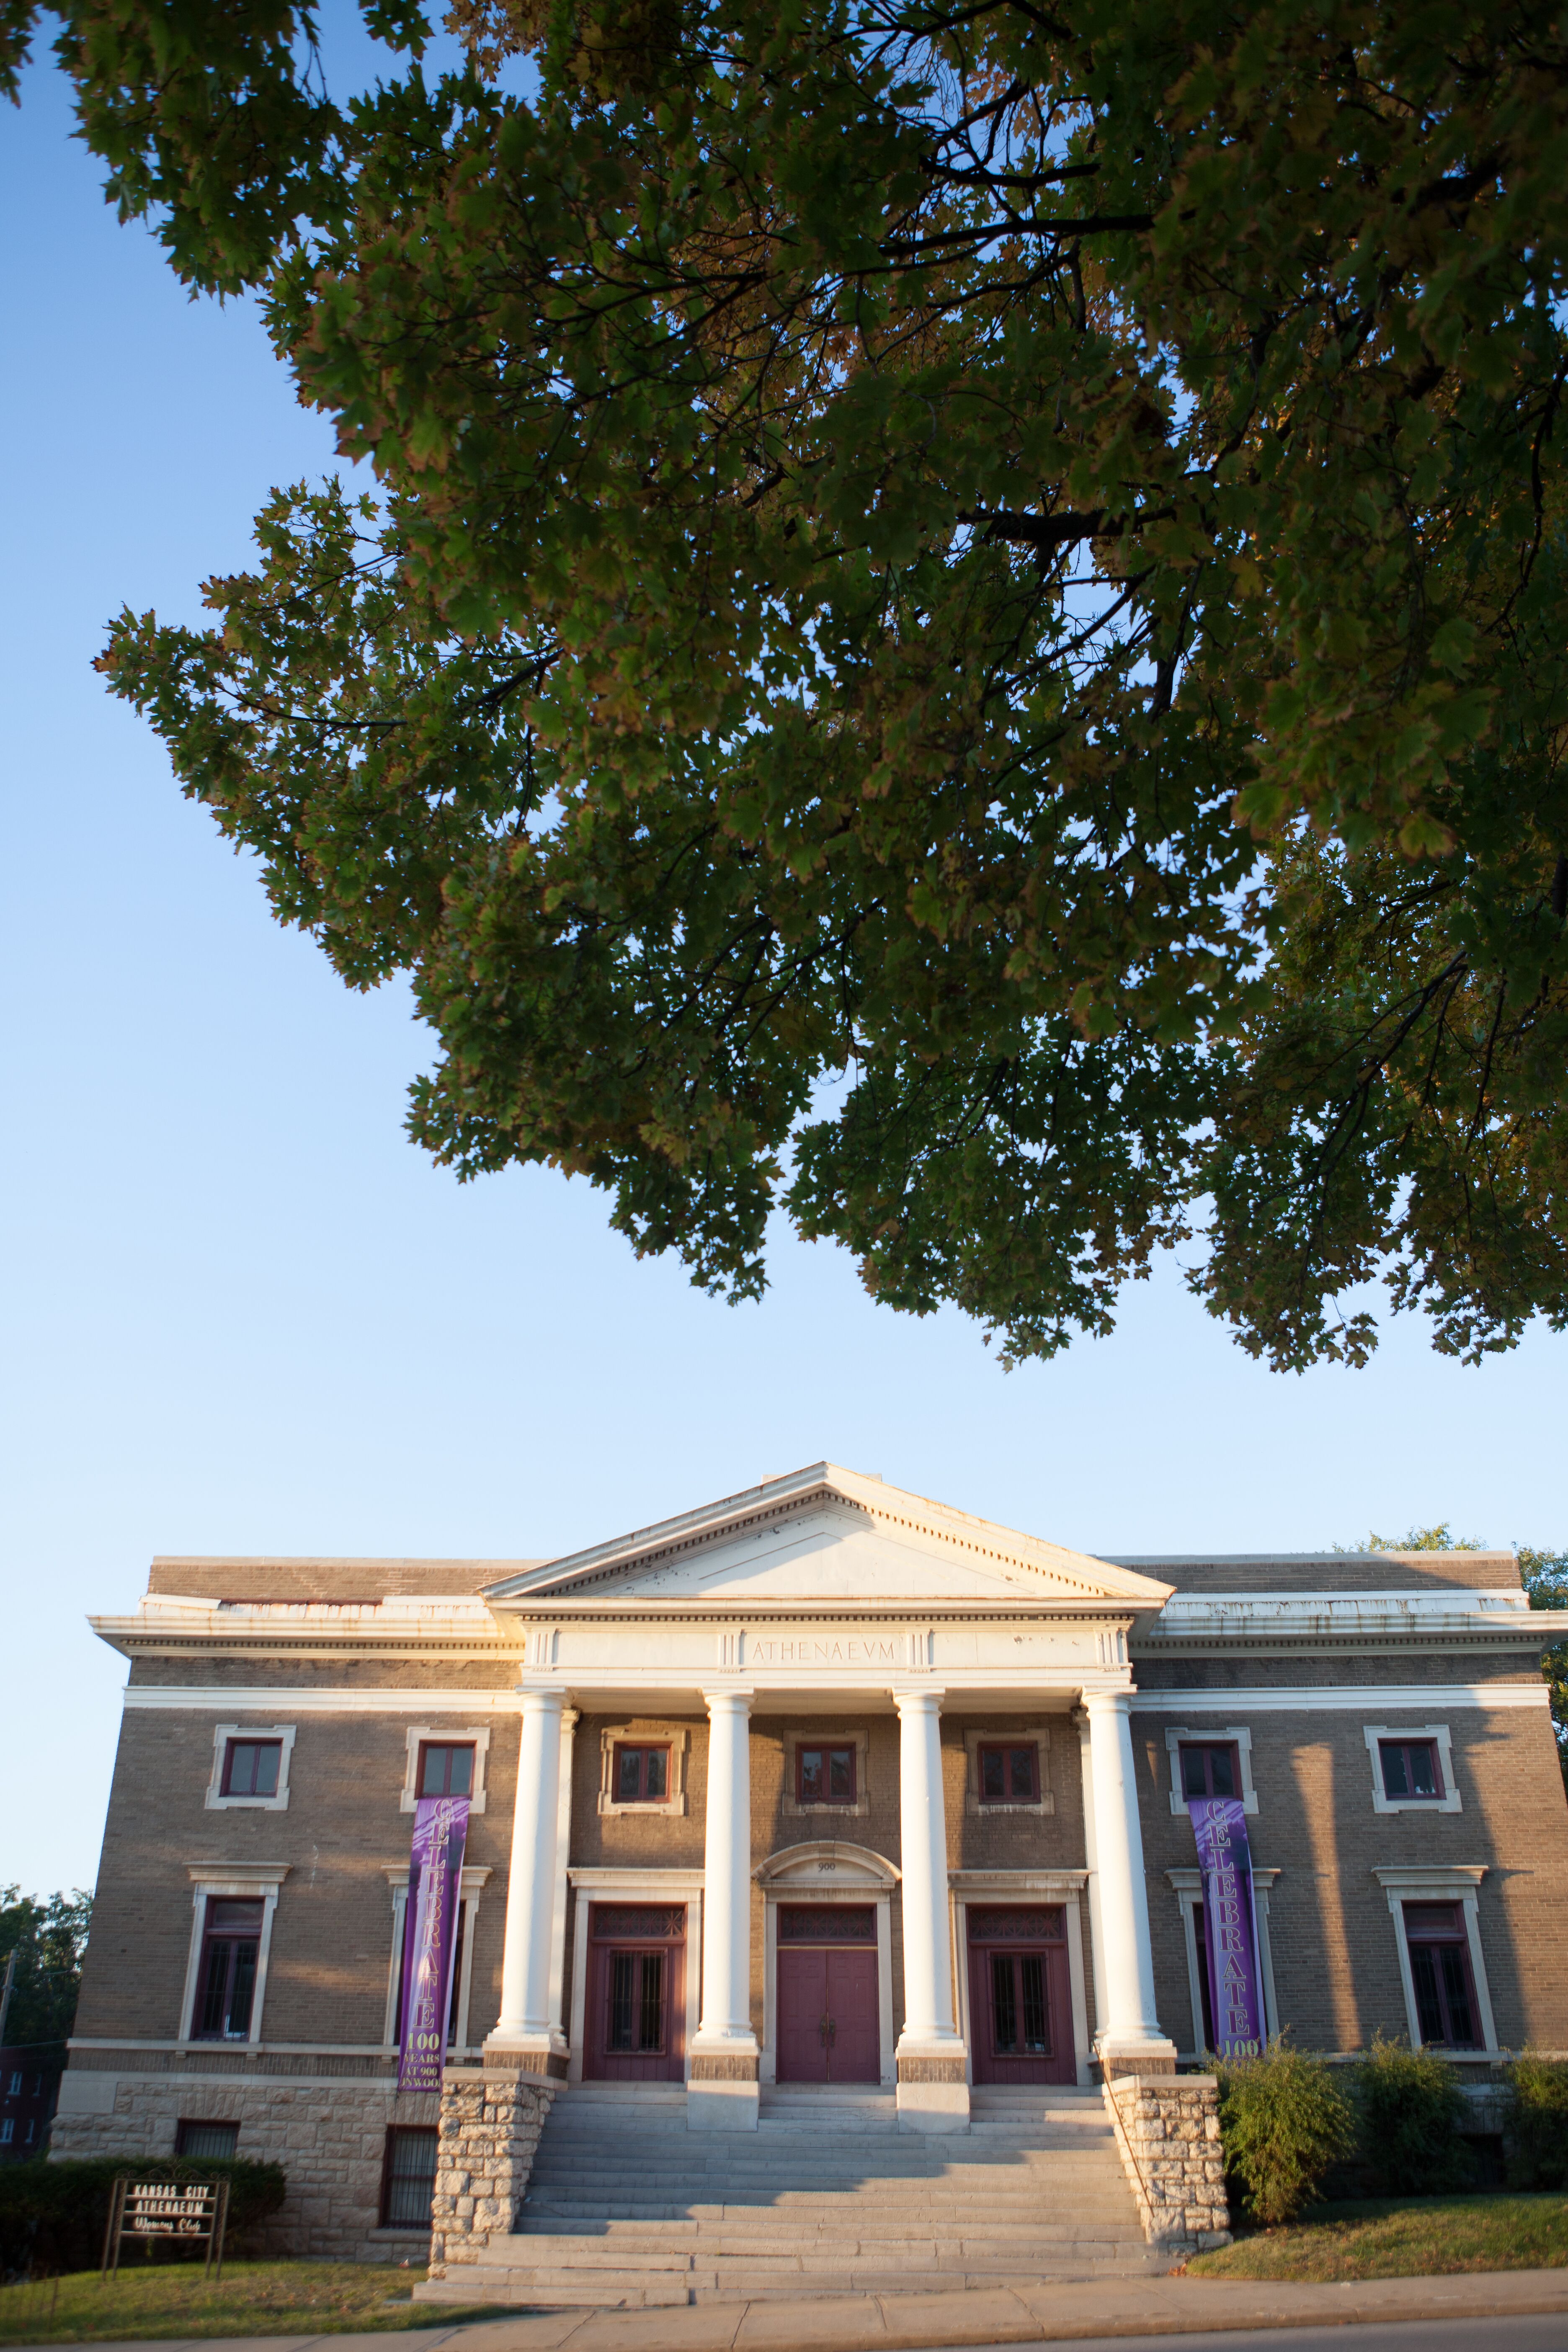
x: 829, y: 1535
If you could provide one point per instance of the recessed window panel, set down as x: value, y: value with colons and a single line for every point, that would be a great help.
x: 640, y: 1776
x: 250, y: 1767
x: 824, y: 1776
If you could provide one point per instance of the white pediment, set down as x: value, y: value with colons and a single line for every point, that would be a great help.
x: 832, y: 1537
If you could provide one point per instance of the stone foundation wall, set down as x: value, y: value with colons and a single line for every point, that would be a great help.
x: 1167, y: 2129
x: 490, y: 2123
x: 328, y: 2135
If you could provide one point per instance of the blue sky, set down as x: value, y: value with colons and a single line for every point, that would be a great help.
x: 245, y: 1314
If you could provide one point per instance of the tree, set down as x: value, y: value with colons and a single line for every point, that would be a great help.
x: 48, y: 1938
x: 963, y: 628
x: 1544, y: 1576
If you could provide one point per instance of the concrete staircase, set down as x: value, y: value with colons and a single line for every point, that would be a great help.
x: 627, y: 2209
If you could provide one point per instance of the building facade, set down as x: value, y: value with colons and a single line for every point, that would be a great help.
x: 821, y: 1784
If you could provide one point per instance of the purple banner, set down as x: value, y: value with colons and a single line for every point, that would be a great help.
x: 429, y: 1936
x: 1235, y: 1992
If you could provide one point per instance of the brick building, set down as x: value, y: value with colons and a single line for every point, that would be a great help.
x: 29, y: 2085
x: 822, y: 1786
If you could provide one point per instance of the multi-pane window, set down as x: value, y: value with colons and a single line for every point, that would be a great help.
x: 640, y: 1776
x: 824, y: 1776
x: 1020, y: 2015
x: 226, y: 1986
x: 635, y: 1989
x: 408, y: 2178
x: 445, y: 1768
x: 1210, y: 1768
x: 250, y: 1767
x: 204, y: 2138
x: 1010, y: 1774
x: 1440, y: 1972
x: 1410, y: 1767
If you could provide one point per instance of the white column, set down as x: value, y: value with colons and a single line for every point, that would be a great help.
x: 523, y: 2026
x: 1130, y: 2036
x: 562, y: 1857
x: 721, y: 2094
x: 933, y: 2089
x: 1092, y: 1858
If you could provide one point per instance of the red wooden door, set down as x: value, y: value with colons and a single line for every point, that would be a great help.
x: 854, y: 2042
x: 636, y: 2007
x: 803, y: 2007
x: 828, y: 2023
x: 1020, y: 2009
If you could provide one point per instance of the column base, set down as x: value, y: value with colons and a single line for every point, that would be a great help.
x: 1128, y: 2053
x: 721, y: 2090
x: 540, y: 2056
x: 933, y: 2086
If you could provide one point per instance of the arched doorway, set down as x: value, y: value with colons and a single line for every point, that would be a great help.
x: 828, y: 1965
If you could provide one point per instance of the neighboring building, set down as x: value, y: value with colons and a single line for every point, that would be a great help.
x: 29, y: 2085
x: 824, y: 1782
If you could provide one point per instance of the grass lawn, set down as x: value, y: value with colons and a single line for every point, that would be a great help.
x: 253, y: 2299
x: 1408, y: 2238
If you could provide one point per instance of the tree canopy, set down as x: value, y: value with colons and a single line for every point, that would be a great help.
x: 964, y: 626
x: 49, y: 1938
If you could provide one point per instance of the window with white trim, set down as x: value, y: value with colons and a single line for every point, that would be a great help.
x: 1202, y: 1766
x: 233, y: 1905
x: 1009, y: 1770
x: 642, y: 1768
x: 439, y: 1758
x: 250, y: 1767
x: 1412, y: 1767
x: 1436, y: 1912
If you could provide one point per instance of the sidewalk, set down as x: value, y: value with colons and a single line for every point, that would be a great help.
x: 855, y: 2322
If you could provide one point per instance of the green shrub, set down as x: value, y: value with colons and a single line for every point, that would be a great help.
x: 53, y: 2216
x: 1412, y: 2109
x: 1537, y: 2127
x: 1283, y: 2121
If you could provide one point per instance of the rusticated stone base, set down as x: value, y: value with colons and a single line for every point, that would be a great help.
x: 1167, y: 2129
x: 715, y: 2069
x: 328, y: 2133
x: 490, y: 2123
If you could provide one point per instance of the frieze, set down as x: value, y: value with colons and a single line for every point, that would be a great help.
x: 897, y: 1651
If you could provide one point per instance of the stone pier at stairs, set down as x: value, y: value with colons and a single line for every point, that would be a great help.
x: 626, y: 2206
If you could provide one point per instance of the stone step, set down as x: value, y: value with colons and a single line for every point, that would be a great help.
x: 908, y: 2151
x: 1028, y: 2188
x: 573, y: 2289
x: 661, y: 2245
x: 828, y: 2179
x: 587, y: 2212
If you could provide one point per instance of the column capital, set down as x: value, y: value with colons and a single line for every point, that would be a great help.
x: 1108, y: 1702
x: 550, y: 1698
x: 729, y: 1694
x: 920, y: 1698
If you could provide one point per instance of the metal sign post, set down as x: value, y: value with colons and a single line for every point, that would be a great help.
x: 181, y: 2210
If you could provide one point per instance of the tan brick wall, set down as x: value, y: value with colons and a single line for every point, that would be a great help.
x: 332, y: 1936
x: 1336, y: 1969
x: 491, y: 1672
x: 326, y: 1580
